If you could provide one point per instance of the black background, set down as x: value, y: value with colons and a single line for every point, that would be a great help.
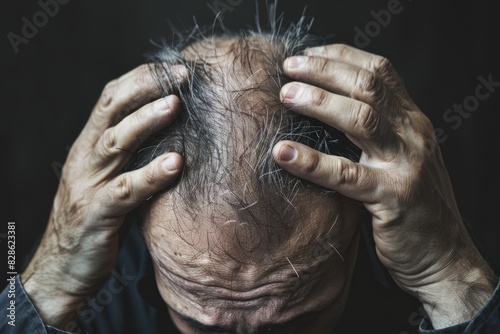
x: 48, y: 89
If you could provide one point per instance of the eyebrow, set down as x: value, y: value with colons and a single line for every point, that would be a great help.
x: 298, y: 320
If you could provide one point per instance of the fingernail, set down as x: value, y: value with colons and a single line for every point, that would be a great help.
x: 292, y: 92
x: 295, y: 62
x: 161, y: 105
x: 287, y: 153
x: 170, y: 164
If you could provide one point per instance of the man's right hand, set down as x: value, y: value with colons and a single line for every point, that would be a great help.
x: 401, y: 178
x: 80, y: 245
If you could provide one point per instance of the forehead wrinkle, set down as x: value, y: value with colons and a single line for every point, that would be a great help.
x: 204, y: 272
x: 198, y: 282
x: 192, y: 295
x: 202, y: 267
x: 256, y: 312
x: 210, y: 287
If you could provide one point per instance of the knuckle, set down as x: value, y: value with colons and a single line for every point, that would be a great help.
x: 366, y: 120
x: 382, y: 66
x: 143, y: 77
x: 318, y: 97
x: 150, y: 178
x: 348, y: 172
x: 108, y: 139
x: 322, y: 64
x: 146, y: 69
x: 107, y: 95
x: 140, y: 117
x: 423, y: 133
x: 122, y: 189
x: 367, y: 81
x: 340, y: 50
x: 311, y: 164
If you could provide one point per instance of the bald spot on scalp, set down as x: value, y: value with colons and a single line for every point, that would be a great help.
x: 231, y: 247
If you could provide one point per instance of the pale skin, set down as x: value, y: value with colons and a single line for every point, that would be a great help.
x: 400, y: 178
x: 80, y: 245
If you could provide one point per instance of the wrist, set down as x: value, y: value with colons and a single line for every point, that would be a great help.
x: 460, y: 296
x: 56, y: 294
x: 56, y: 308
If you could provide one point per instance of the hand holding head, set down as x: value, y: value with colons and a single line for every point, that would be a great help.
x: 400, y: 177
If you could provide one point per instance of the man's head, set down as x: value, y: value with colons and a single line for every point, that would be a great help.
x: 237, y: 243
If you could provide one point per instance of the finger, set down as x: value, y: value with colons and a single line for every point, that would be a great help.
x: 345, y: 79
x: 120, y: 97
x: 376, y: 64
x: 118, y: 143
x: 129, y: 190
x: 348, y: 178
x: 366, y: 128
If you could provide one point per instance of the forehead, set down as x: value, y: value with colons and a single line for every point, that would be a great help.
x: 209, y: 270
x: 242, y: 313
x: 234, y: 234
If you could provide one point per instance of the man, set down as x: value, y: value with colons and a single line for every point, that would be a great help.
x: 237, y: 244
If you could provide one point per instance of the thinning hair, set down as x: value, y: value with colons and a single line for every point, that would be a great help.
x: 232, y: 117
